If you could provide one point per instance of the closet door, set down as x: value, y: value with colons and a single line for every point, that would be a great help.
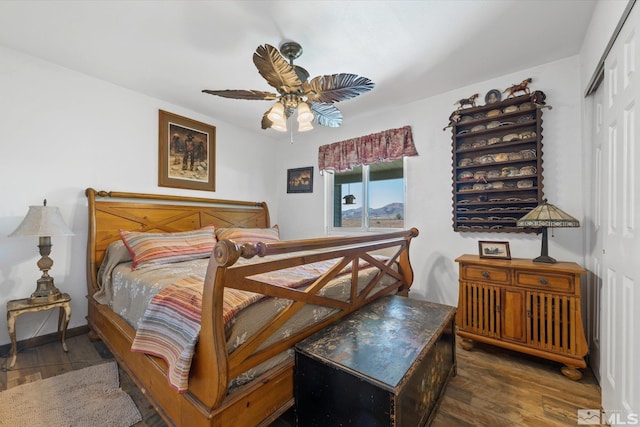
x: 619, y: 209
x: 594, y: 239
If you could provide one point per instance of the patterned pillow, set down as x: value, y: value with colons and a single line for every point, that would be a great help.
x: 148, y: 249
x: 249, y: 235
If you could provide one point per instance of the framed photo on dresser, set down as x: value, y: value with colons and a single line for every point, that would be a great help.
x: 496, y: 250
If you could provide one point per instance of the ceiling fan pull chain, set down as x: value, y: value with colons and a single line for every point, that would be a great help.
x: 290, y: 129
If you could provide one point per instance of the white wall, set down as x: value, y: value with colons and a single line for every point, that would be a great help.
x: 604, y: 20
x: 63, y: 132
x: 429, y: 198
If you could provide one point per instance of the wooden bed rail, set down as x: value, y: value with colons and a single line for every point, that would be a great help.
x: 227, y: 252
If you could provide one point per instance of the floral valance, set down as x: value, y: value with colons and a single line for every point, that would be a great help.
x: 385, y: 146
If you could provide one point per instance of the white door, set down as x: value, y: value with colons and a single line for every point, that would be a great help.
x: 619, y: 265
x: 595, y: 237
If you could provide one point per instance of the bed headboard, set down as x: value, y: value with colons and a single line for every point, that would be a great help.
x: 110, y: 211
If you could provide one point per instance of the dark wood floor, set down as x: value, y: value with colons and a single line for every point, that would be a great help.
x: 493, y: 387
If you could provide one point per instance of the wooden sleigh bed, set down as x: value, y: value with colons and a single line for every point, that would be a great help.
x: 209, y: 400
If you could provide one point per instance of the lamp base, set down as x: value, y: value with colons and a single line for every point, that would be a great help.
x: 545, y: 258
x: 544, y: 252
x: 45, y: 291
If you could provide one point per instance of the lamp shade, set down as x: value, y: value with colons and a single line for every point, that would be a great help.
x: 304, y: 126
x: 279, y: 125
x: 42, y: 221
x: 544, y: 216
x: 304, y: 113
x: 547, y: 215
x: 276, y: 113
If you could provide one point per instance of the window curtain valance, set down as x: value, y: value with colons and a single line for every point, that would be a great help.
x: 385, y: 146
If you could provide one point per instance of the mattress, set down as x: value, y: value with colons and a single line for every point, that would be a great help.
x: 128, y: 293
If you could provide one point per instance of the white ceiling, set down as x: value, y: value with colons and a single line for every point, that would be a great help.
x: 171, y: 50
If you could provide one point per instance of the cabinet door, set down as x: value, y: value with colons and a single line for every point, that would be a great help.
x: 513, y: 315
x: 552, y: 323
x: 479, y: 309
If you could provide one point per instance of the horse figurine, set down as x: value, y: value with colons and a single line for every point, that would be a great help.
x: 520, y: 87
x: 538, y: 99
x: 453, y: 118
x: 467, y: 101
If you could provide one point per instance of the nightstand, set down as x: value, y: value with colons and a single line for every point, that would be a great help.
x: 20, y: 306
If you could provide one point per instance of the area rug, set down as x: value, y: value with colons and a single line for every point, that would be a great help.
x: 84, y: 398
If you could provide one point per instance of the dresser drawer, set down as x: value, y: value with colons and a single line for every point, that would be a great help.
x: 483, y: 273
x: 542, y: 281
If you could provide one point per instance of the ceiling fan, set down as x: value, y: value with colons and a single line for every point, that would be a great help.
x: 313, y: 99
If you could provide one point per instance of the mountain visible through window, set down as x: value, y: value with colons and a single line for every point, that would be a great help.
x: 369, y: 197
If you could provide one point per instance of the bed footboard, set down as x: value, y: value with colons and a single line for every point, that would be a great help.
x: 214, y: 367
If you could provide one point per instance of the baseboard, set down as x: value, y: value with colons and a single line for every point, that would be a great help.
x: 42, y: 339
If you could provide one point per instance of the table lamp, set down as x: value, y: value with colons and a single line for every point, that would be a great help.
x: 544, y: 216
x: 44, y: 222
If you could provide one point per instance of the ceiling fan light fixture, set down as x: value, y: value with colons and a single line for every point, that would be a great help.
x: 280, y: 126
x: 304, y: 126
x: 304, y: 113
x: 313, y: 99
x: 276, y: 113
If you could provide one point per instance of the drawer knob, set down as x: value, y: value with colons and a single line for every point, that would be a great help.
x: 543, y: 281
x: 485, y: 274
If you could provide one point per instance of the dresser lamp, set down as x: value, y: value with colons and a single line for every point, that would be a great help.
x: 544, y: 216
x: 44, y: 222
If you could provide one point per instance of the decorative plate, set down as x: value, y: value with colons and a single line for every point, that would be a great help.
x: 464, y: 176
x: 479, y: 143
x: 525, y: 183
x: 494, y: 95
x: 510, y: 137
x: 501, y: 157
x: 528, y: 170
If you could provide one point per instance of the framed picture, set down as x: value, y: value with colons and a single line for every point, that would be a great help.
x: 187, y: 153
x: 497, y: 250
x: 492, y: 96
x: 300, y: 180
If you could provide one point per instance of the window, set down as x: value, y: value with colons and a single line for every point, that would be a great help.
x: 368, y: 197
x: 366, y: 187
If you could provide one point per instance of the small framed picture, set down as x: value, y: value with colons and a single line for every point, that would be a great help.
x: 300, y: 180
x: 496, y: 250
x: 492, y: 96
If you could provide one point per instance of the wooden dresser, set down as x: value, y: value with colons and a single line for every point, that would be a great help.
x: 525, y: 306
x: 386, y: 364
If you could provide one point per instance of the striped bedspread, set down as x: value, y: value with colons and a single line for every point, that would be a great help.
x: 170, y: 325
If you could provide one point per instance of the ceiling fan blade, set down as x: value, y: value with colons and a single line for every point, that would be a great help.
x: 243, y: 94
x: 336, y: 87
x: 326, y: 114
x: 276, y: 70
